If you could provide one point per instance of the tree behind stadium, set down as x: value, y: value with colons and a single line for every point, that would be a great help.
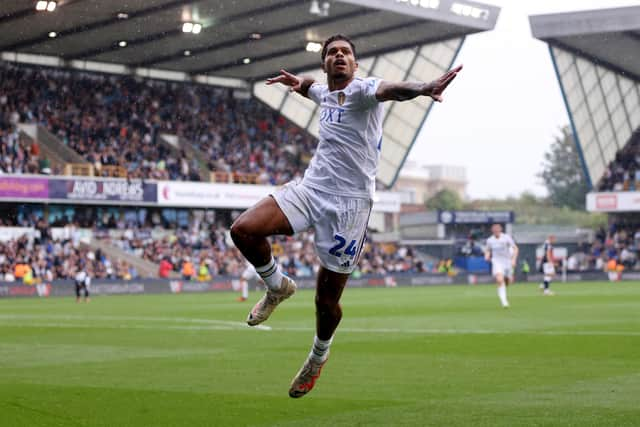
x: 445, y: 199
x: 562, y: 173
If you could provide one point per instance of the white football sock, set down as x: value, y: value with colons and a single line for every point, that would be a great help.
x: 245, y: 289
x: 271, y: 274
x: 320, y: 349
x: 502, y: 294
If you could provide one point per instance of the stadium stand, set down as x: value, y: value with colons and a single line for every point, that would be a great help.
x: 115, y: 121
x: 623, y: 173
x: 156, y: 239
x: 213, y: 248
x: 17, y: 154
x: 599, y: 76
x: 239, y: 135
x: 45, y: 259
x: 592, y: 55
x: 621, y: 243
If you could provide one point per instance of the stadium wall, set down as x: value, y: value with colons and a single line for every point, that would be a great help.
x: 66, y: 288
x: 120, y: 192
x: 614, y: 201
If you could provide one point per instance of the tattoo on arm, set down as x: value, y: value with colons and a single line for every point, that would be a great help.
x: 401, y: 91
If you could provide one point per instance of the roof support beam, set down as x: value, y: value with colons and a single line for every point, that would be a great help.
x: 27, y: 11
x: 44, y: 36
x: 150, y: 38
x: 633, y: 34
x: 377, y: 52
x: 130, y: 43
x: 237, y: 61
x: 241, y: 40
x: 18, y: 14
x: 594, y: 59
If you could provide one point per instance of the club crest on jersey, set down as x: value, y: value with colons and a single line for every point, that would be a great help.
x: 341, y: 98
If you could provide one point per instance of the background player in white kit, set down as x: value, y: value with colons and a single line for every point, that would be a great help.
x: 502, y: 252
x: 249, y: 274
x: 335, y: 195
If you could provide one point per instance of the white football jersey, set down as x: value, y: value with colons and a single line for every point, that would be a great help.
x: 500, y: 248
x: 346, y: 159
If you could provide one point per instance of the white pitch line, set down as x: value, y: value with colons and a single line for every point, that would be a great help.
x: 431, y: 331
x: 129, y: 326
x: 229, y: 324
x: 491, y: 332
x: 123, y: 318
x: 224, y: 325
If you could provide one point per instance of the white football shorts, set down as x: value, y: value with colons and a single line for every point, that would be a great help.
x: 339, y: 222
x: 501, y: 267
x: 548, y: 269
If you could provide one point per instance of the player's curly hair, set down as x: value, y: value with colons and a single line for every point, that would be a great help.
x: 333, y: 38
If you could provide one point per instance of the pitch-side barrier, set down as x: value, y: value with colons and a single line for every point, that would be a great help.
x: 226, y: 283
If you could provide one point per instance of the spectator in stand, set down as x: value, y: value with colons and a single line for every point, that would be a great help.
x: 627, y: 257
x: 623, y: 173
x: 188, y: 270
x: 20, y: 270
x: 165, y: 268
x: 7, y: 275
x: 44, y: 166
x: 203, y: 271
x: 621, y: 244
x: 16, y: 155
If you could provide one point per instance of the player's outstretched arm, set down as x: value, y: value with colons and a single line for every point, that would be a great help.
x: 403, y: 91
x: 300, y: 84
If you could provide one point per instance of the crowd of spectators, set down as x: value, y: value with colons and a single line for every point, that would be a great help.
x: 19, y: 154
x: 40, y: 257
x: 618, y: 246
x: 240, y: 135
x: 116, y: 121
x: 623, y: 173
x: 204, y: 243
x: 208, y: 251
x: 381, y: 258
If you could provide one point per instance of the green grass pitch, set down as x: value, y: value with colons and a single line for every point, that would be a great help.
x: 436, y: 356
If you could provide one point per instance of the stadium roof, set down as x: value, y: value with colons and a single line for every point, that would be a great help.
x: 238, y: 39
x: 595, y: 57
x: 610, y: 37
x: 240, y: 42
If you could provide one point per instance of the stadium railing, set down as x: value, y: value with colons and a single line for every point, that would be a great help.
x: 79, y: 169
x: 228, y: 283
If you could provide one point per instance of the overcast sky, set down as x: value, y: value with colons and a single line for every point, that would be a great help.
x: 500, y: 115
